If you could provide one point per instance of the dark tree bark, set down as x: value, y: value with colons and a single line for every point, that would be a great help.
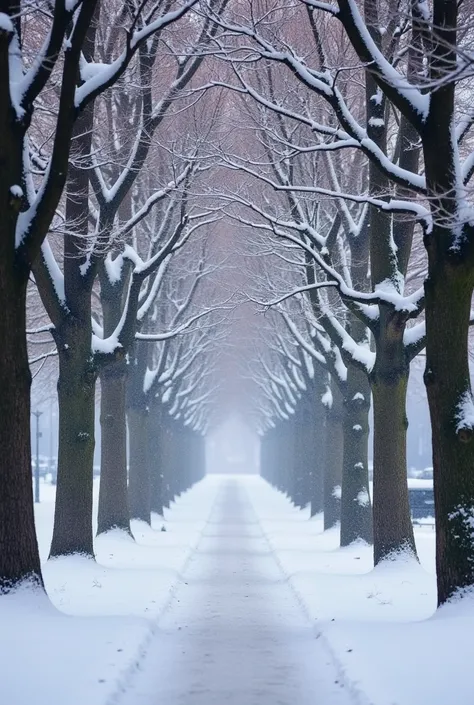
x: 356, y: 510
x: 333, y: 459
x: 113, y: 511
x: 393, y: 529
x: 19, y: 558
x: 447, y: 379
x: 167, y: 461
x: 302, y: 449
x: 77, y: 369
x: 448, y: 290
x: 318, y: 462
x: 139, y: 475
x: 289, y: 457
x: 179, y: 458
x: 155, y: 457
x: 72, y: 531
x: 280, y: 444
x: 138, y: 420
x: 305, y: 449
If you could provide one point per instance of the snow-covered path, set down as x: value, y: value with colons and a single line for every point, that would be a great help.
x: 234, y: 631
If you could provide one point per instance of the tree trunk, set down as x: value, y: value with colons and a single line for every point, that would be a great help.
x: 268, y: 464
x: 333, y: 460
x: 447, y: 379
x: 316, y: 460
x: 448, y: 290
x: 290, y: 457
x: 356, y: 510
x: 113, y: 493
x: 155, y: 459
x: 76, y: 400
x: 305, y: 450
x: 167, y: 462
x: 200, y: 445
x: 393, y: 529
x: 178, y: 446
x: 77, y: 369
x: 19, y: 558
x: 186, y: 459
x: 139, y: 475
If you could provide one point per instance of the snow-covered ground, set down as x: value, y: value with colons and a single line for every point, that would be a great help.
x: 83, y: 647
x: 381, y: 625
x: 243, y: 601
x: 235, y: 633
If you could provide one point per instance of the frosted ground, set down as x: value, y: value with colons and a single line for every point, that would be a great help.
x: 241, y: 600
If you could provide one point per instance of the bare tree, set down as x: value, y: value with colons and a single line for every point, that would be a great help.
x: 29, y: 202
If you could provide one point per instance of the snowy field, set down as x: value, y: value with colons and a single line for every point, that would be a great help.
x: 243, y: 601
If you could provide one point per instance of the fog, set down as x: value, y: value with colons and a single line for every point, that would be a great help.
x: 232, y: 448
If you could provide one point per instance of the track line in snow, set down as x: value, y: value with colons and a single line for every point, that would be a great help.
x: 358, y: 697
x: 234, y: 632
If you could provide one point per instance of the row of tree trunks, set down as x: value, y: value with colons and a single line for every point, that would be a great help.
x: 319, y: 455
x: 19, y: 559
x: 292, y: 453
x: 69, y: 43
x: 165, y: 459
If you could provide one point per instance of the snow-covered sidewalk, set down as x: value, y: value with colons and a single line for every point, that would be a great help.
x: 234, y: 632
x: 243, y: 601
x: 391, y: 645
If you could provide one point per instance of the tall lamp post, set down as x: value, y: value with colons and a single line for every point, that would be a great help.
x: 37, y: 468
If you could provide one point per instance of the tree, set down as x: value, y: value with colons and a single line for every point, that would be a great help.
x: 29, y: 202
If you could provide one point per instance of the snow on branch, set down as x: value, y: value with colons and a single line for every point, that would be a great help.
x: 43, y: 356
x: 384, y: 295
x: 322, y: 83
x: 156, y: 337
x: 409, y: 99
x: 98, y: 77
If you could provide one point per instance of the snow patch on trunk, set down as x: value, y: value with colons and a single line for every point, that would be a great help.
x: 363, y: 498
x: 465, y: 412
